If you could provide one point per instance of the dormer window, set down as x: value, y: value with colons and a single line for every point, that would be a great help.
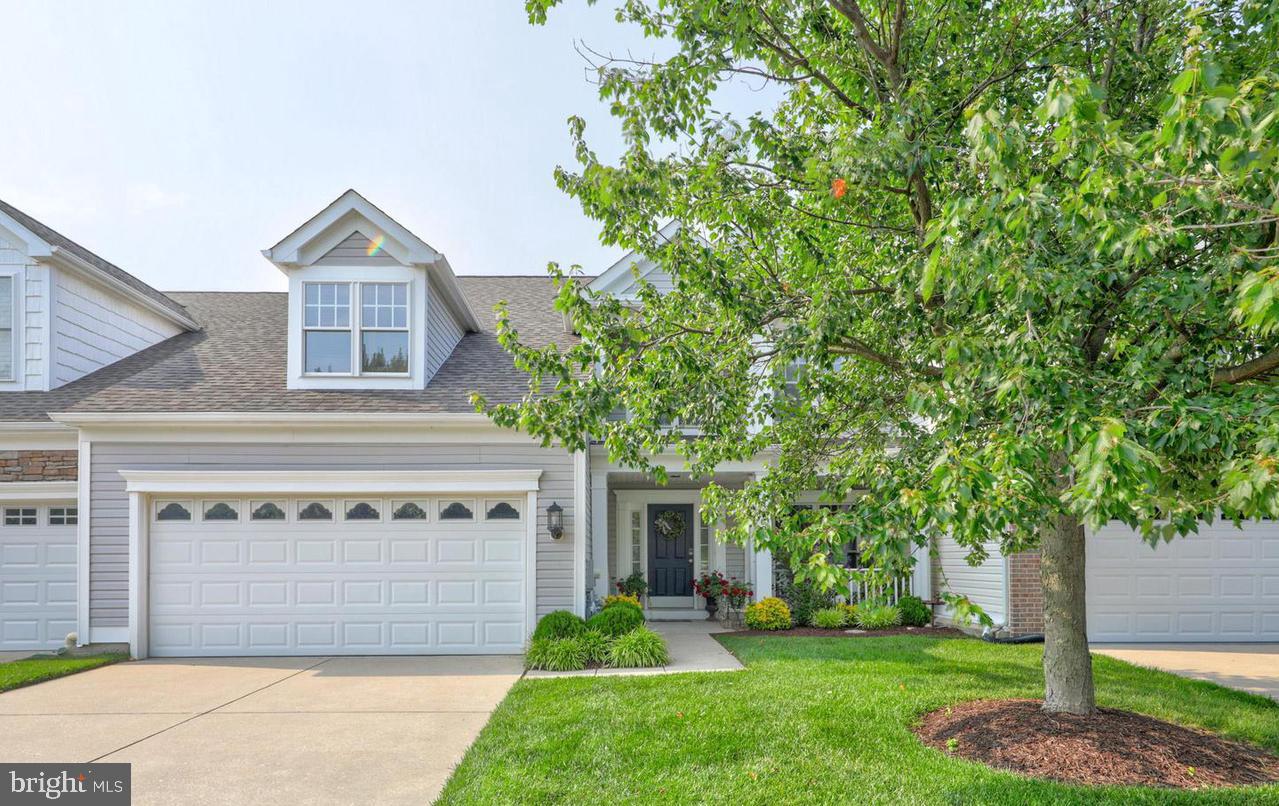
x: 381, y: 321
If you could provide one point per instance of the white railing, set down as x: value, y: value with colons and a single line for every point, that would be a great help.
x: 888, y: 592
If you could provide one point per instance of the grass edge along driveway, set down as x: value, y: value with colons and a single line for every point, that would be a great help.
x: 29, y: 671
x: 813, y: 721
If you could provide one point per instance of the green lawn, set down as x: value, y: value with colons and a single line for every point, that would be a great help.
x: 36, y: 670
x: 811, y: 720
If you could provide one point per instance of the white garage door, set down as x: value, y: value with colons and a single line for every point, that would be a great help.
x: 321, y: 576
x: 1221, y: 584
x: 37, y: 575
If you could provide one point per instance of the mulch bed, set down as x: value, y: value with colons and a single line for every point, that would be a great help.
x: 931, y: 632
x: 1111, y: 748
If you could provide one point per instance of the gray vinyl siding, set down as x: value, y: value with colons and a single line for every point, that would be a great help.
x: 354, y: 251
x: 735, y: 561
x: 109, y: 517
x: 442, y: 331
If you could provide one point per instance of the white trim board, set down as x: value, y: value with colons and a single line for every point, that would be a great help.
x: 330, y: 481
x: 38, y: 490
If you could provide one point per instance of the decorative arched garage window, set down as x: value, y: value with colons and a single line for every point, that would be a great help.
x: 267, y: 511
x: 173, y: 511
x: 456, y: 510
x: 362, y: 511
x: 315, y: 511
x: 408, y: 511
x: 501, y: 511
x: 220, y: 511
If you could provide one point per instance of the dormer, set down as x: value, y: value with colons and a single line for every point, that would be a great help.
x: 371, y: 305
x: 66, y: 312
x: 622, y: 279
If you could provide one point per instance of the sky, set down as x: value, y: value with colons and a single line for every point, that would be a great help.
x: 179, y: 139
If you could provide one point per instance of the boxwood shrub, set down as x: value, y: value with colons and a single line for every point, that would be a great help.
x: 559, y: 624
x: 914, y: 612
x: 768, y: 614
x: 616, y: 620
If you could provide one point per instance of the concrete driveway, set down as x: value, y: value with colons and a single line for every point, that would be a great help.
x: 265, y: 730
x: 1248, y: 667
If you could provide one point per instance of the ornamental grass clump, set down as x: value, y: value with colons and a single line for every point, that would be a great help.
x: 768, y: 614
x: 594, y: 645
x: 878, y: 617
x: 556, y: 654
x: 830, y: 618
x: 616, y: 620
x: 639, y: 648
x: 559, y: 624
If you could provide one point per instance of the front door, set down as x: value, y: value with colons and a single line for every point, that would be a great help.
x: 670, y: 549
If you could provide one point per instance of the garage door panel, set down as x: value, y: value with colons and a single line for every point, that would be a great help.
x: 38, y: 588
x: 1217, y: 585
x: 338, y: 587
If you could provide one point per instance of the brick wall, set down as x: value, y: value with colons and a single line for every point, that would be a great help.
x: 1025, y: 594
x: 38, y: 465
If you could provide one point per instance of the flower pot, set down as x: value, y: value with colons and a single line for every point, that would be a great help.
x: 712, y: 607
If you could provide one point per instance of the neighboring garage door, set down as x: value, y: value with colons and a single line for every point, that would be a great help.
x: 37, y: 575
x: 323, y: 576
x: 1221, y: 584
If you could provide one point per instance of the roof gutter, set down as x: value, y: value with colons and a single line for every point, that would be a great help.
x: 268, y: 418
x: 73, y: 261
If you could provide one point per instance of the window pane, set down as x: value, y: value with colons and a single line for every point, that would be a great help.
x: 384, y: 351
x: 312, y: 293
x: 401, y: 293
x: 327, y: 290
x: 344, y: 294
x: 344, y: 317
x: 401, y: 318
x: 328, y: 351
x: 369, y: 314
x: 312, y: 317
x: 326, y: 317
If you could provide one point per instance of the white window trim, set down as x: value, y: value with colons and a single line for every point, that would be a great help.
x: 16, y: 325
x: 356, y: 328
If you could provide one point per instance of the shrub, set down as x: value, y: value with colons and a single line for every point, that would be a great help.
x: 850, y: 613
x: 556, y: 654
x: 559, y: 624
x: 640, y: 647
x: 616, y: 620
x: 595, y: 645
x: 626, y: 604
x: 878, y: 617
x: 914, y: 612
x: 804, y: 599
x: 832, y: 618
x: 634, y: 585
x: 768, y: 614
x: 614, y: 598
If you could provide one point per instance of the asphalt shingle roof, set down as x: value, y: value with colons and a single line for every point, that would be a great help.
x: 55, y: 238
x: 237, y: 362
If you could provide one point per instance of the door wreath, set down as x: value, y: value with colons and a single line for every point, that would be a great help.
x: 670, y: 524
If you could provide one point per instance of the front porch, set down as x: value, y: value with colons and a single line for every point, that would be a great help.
x: 658, y: 533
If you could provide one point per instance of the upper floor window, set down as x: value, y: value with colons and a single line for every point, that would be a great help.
x: 384, y: 327
x: 330, y: 327
x: 6, y: 328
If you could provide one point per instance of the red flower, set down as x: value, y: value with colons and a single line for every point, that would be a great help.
x: 839, y: 187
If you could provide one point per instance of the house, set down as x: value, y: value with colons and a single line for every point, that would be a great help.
x: 304, y: 473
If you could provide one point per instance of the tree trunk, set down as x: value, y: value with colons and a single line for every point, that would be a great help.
x: 1068, y: 686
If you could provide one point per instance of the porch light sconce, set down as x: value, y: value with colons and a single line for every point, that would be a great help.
x: 555, y: 520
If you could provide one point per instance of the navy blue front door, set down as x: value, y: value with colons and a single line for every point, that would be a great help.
x: 670, y: 550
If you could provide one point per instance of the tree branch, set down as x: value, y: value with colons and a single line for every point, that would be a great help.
x: 1249, y: 369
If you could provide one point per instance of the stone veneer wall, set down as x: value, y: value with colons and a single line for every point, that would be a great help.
x: 38, y: 465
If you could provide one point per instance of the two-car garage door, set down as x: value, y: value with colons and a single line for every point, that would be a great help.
x: 1221, y: 584
x: 368, y: 575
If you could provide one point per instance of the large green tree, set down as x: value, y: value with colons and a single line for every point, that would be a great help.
x: 1003, y: 268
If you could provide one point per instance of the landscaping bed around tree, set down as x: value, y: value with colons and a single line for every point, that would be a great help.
x: 819, y: 722
x: 1112, y: 747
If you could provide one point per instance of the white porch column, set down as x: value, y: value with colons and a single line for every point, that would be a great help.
x: 763, y: 574
x: 921, y: 580
x: 599, y: 533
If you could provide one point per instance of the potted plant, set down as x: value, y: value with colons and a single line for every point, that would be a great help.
x: 737, y: 595
x: 711, y: 586
x: 633, y: 585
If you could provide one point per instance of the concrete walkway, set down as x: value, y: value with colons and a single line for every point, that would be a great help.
x: 265, y: 730
x: 1247, y: 667
x: 692, y: 649
x: 8, y: 655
